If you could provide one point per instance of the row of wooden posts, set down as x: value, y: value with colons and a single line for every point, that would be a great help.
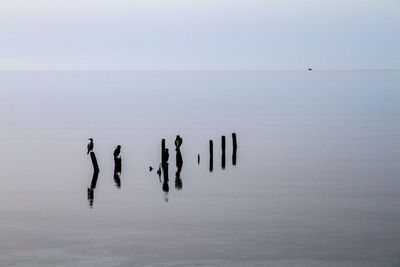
x: 163, y: 165
x: 223, y: 156
x: 211, y: 149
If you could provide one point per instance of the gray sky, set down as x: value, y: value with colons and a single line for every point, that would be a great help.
x: 199, y: 34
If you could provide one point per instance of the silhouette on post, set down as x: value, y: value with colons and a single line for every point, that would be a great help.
x: 117, y: 166
x: 223, y: 157
x: 211, y: 155
x: 179, y: 159
x: 179, y: 163
x: 90, y: 146
x: 234, y: 144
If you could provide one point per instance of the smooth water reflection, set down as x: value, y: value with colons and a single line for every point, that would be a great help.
x: 313, y: 180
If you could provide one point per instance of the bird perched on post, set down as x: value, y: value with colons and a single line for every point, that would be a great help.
x: 178, y: 141
x: 117, y: 151
x: 90, y: 145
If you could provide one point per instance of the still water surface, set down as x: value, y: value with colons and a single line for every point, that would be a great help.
x: 317, y: 179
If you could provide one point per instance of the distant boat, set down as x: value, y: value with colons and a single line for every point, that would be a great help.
x: 310, y: 69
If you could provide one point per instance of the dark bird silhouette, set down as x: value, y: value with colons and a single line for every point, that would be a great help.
x: 178, y: 141
x: 90, y: 145
x: 117, y: 151
x: 150, y: 168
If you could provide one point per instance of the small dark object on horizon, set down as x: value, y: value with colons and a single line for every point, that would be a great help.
x: 150, y: 168
x: 310, y: 69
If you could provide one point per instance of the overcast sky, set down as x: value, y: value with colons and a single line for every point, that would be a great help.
x: 199, y: 34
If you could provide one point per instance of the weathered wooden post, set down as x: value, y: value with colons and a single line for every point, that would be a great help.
x: 223, y: 157
x: 162, y: 149
x: 94, y: 161
x: 234, y: 144
x: 211, y: 155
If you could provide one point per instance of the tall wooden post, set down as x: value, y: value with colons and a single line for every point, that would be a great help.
x: 211, y: 155
x: 234, y: 144
x: 223, y: 157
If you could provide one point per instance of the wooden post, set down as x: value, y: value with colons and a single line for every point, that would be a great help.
x: 94, y: 162
x: 165, y: 185
x: 234, y: 143
x: 223, y: 157
x: 162, y: 149
x: 211, y: 155
x: 118, y: 164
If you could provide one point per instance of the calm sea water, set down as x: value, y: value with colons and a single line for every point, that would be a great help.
x: 317, y: 179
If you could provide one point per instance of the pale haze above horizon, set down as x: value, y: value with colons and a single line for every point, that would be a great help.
x: 199, y: 34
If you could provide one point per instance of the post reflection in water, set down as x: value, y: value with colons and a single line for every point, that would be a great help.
x: 179, y: 163
x: 96, y: 169
x: 162, y: 171
x: 164, y: 167
x: 117, y: 172
x: 90, y: 190
x: 117, y: 166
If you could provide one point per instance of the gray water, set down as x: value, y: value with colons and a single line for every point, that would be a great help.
x: 317, y: 179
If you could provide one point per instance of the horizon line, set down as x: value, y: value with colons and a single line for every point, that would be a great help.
x: 200, y: 70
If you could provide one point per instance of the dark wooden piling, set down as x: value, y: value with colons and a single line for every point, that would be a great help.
x: 234, y: 152
x: 118, y: 164
x: 223, y: 157
x: 211, y: 155
x: 165, y: 185
x: 162, y: 149
x: 179, y: 159
x: 94, y: 162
